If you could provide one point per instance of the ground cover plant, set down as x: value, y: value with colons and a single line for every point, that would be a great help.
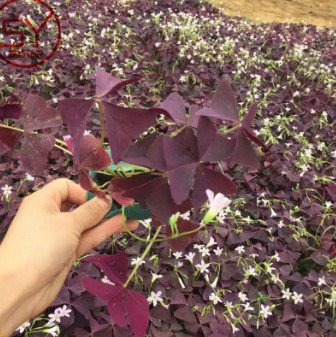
x: 266, y: 265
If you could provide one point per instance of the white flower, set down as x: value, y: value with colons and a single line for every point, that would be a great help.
x: 198, y: 246
x: 205, y: 251
x: 240, y: 250
x: 216, y: 204
x: 157, y: 44
x: 242, y: 296
x: 155, y: 298
x: 55, y: 317
x: 250, y: 271
x: 155, y: 277
x: 321, y: 146
x: 177, y: 255
x: 136, y: 260
x: 179, y: 264
x: 321, y: 281
x: 333, y: 154
x: 286, y: 294
x: 328, y: 204
x: 86, y: 133
x: 183, y: 79
x: 106, y: 280
x: 265, y: 311
x: 29, y: 177
x: 218, y: 251
x: 213, y: 297
x: 203, y: 267
x: 190, y: 256
x: 269, y: 268
x: 54, y: 331
x: 276, y: 256
x: 186, y: 215
x: 281, y: 224
x: 23, y: 326
x: 211, y: 242
x: 247, y: 307
x: 234, y: 329
x: 63, y: 311
x: 229, y: 305
x: 7, y: 190
x: 297, y: 298
x: 273, y: 214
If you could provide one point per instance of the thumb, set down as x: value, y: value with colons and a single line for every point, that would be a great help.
x: 91, y: 212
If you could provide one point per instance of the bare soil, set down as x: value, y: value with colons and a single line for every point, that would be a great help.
x: 316, y: 12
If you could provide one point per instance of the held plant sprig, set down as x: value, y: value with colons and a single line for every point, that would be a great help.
x: 168, y: 171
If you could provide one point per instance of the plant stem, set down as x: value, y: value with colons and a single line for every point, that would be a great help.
x: 127, y: 230
x: 63, y: 149
x: 142, y: 256
x: 237, y: 126
x: 102, y: 122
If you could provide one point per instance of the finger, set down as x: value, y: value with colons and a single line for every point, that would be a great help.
x: 90, y: 213
x: 59, y: 191
x: 96, y: 235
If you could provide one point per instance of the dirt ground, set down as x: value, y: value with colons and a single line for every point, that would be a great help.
x: 316, y: 12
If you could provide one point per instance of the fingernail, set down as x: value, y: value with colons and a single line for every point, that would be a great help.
x: 105, y: 203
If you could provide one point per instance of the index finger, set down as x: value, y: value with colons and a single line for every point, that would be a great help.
x: 59, y: 191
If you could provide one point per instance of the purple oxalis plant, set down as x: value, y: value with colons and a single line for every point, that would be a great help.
x: 182, y: 158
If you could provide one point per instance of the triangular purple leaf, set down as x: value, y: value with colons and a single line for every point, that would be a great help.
x: 224, y: 101
x: 193, y: 118
x: 124, y: 124
x: 75, y: 113
x: 115, y: 267
x: 244, y: 153
x: 175, y: 106
x: 9, y: 137
x: 137, y: 309
x: 137, y: 152
x: 34, y: 152
x: 91, y: 156
x: 37, y: 114
x: 247, y: 121
x: 10, y: 110
x: 161, y: 202
x: 181, y: 180
x: 100, y: 289
x: 206, y: 132
x: 106, y: 83
x: 115, y: 306
x: 176, y: 154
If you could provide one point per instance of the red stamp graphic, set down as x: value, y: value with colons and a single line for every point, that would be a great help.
x: 30, y: 33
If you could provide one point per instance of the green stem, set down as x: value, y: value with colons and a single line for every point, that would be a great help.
x: 142, y: 256
x: 34, y: 133
x: 237, y: 126
x: 102, y: 121
x: 63, y: 149
x: 127, y: 230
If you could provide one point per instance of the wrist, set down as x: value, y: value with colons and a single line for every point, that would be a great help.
x: 12, y: 296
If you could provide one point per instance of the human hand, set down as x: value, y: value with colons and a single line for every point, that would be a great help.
x: 43, y: 242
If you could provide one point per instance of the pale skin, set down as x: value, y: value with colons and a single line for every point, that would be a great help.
x: 43, y: 242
